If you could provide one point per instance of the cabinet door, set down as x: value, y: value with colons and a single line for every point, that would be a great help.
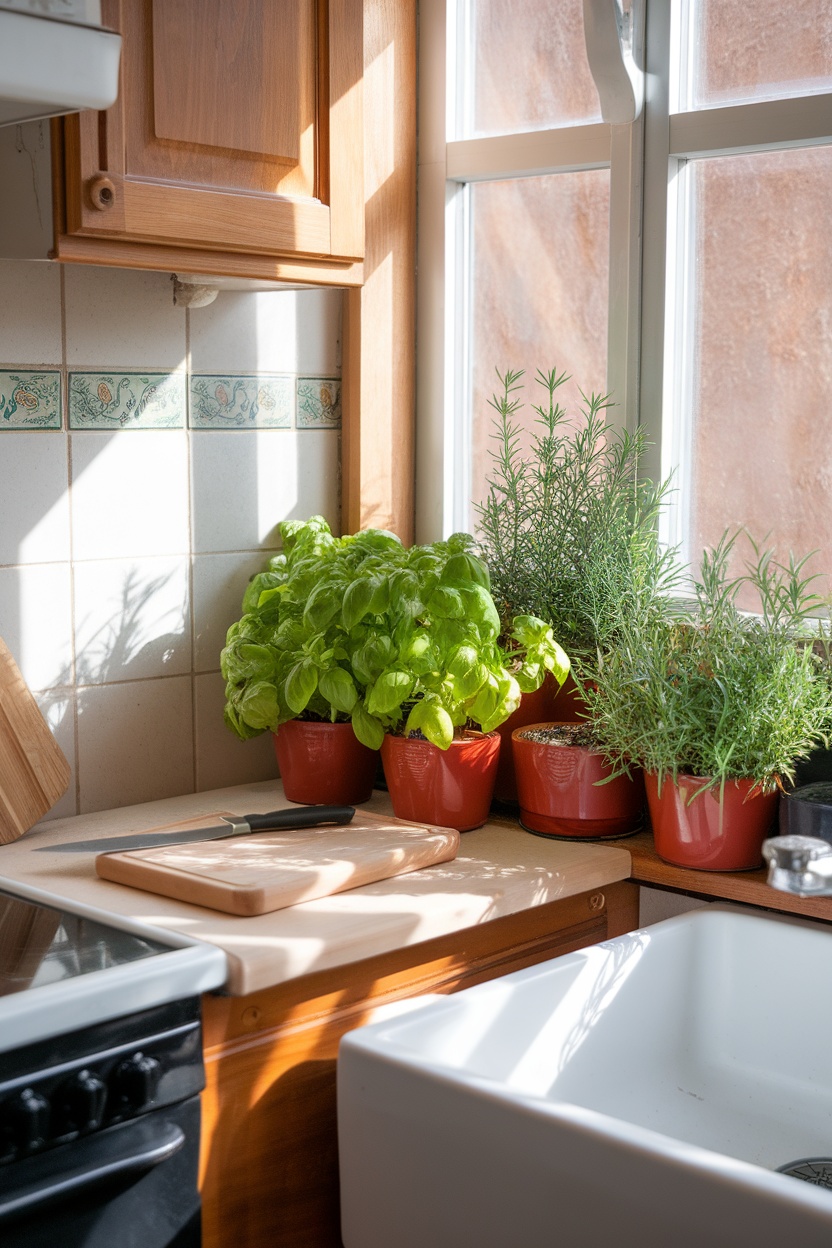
x: 238, y: 128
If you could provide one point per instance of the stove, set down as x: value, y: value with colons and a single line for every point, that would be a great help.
x: 100, y: 1074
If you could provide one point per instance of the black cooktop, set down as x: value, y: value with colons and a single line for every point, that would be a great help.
x: 41, y: 945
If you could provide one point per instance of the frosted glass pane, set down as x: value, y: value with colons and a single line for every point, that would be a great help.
x: 761, y: 50
x: 762, y: 420
x: 528, y: 67
x: 540, y: 278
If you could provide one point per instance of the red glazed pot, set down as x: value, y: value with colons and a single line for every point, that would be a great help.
x: 704, y: 833
x: 558, y: 794
x: 451, y: 788
x: 550, y: 703
x: 324, y: 764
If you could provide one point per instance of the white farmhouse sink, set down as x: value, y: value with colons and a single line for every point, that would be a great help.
x: 641, y: 1092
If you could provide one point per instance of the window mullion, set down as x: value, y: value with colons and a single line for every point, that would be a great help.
x: 679, y: 357
x: 654, y: 231
x: 530, y: 154
x: 624, y: 326
x: 761, y: 126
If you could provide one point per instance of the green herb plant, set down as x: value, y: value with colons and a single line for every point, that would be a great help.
x: 712, y: 691
x: 569, y: 530
x: 361, y: 629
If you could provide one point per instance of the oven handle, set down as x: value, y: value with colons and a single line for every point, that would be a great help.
x: 124, y: 1152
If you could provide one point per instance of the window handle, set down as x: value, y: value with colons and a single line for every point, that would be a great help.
x: 609, y: 49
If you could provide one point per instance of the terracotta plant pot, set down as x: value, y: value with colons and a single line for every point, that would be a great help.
x: 547, y: 704
x: 707, y: 834
x: 451, y: 788
x: 558, y: 794
x: 324, y: 764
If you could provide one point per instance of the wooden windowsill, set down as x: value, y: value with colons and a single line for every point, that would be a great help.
x: 748, y: 887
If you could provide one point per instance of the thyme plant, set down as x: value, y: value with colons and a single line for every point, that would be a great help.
x: 712, y: 691
x: 569, y: 530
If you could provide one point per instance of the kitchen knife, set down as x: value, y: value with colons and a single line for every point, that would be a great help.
x: 288, y: 819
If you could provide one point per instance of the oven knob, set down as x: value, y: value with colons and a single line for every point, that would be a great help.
x: 8, y: 1139
x: 79, y: 1104
x: 135, y: 1084
x: 29, y: 1112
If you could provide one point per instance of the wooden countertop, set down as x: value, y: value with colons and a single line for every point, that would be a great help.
x: 500, y: 870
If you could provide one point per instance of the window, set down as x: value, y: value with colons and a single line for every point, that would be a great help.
x: 683, y: 261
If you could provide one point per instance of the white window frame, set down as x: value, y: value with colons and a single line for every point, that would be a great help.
x: 651, y: 295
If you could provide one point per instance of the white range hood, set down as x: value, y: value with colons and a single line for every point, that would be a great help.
x: 55, y: 58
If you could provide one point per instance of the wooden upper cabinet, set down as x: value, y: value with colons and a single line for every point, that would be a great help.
x: 238, y: 130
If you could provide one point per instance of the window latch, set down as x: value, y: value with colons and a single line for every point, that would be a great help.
x: 608, y: 31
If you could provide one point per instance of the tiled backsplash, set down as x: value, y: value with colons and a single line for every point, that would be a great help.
x: 150, y: 453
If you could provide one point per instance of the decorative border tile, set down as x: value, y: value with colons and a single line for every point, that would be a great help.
x: 126, y: 400
x: 259, y: 401
x: 319, y: 402
x: 30, y: 400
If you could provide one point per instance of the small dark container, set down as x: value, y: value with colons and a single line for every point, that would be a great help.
x: 807, y: 811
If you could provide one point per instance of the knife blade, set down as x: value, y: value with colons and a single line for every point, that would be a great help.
x: 289, y: 819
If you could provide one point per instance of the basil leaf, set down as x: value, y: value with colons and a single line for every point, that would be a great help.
x: 301, y: 683
x: 367, y: 728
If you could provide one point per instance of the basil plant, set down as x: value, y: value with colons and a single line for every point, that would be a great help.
x: 361, y: 629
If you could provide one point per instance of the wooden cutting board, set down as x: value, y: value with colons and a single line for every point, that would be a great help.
x: 269, y: 870
x: 33, y: 771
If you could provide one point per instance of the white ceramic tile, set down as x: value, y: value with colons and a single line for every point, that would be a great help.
x: 246, y: 332
x: 30, y: 312
x: 135, y: 742
x: 221, y: 757
x: 58, y: 708
x: 34, y: 501
x: 319, y: 331
x: 132, y: 619
x: 121, y: 318
x: 36, y: 622
x: 245, y: 483
x: 219, y: 584
x: 129, y: 493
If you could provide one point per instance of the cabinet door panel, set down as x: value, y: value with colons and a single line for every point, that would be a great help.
x: 229, y: 131
x: 253, y: 53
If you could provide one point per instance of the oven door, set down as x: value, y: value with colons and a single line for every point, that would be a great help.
x: 133, y: 1185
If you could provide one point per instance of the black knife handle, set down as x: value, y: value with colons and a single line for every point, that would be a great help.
x: 300, y: 817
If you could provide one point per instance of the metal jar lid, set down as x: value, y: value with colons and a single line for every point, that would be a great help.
x: 807, y: 811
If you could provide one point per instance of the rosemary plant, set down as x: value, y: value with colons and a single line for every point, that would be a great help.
x: 715, y: 692
x: 569, y: 530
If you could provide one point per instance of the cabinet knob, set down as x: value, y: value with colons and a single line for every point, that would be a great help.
x: 102, y: 192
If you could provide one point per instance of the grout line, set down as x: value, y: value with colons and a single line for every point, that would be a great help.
x: 191, y: 596
x: 72, y: 646
x: 112, y: 684
x: 263, y: 551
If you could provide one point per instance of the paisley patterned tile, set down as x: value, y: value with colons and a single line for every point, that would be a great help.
x: 319, y: 402
x: 122, y: 400
x: 30, y: 400
x: 262, y: 401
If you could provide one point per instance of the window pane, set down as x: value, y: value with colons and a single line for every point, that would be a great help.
x: 528, y: 67
x: 762, y: 423
x: 540, y: 259
x: 761, y: 50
